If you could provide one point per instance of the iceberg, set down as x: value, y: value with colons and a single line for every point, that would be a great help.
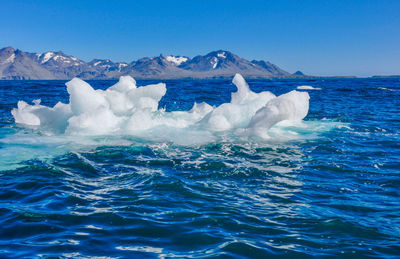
x: 128, y: 110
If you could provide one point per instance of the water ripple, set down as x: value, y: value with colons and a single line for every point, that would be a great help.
x: 332, y: 195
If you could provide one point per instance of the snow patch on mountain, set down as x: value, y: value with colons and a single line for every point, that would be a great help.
x: 121, y: 65
x: 176, y: 60
x: 214, y: 62
x: 221, y: 55
x: 47, y: 56
x: 10, y: 59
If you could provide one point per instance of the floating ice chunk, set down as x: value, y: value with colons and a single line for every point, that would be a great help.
x: 24, y: 114
x: 191, y: 117
x: 51, y: 119
x: 301, y: 104
x: 83, y: 98
x: 119, y: 102
x: 307, y: 87
x: 147, y: 97
x: 201, y: 109
x: 139, y: 122
x: 243, y: 91
x: 124, y: 97
x: 124, y: 84
x: 100, y: 121
x: 54, y: 119
x: 238, y: 113
x: 125, y: 109
x: 292, y: 106
x: 245, y: 96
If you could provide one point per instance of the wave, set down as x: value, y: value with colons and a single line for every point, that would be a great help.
x: 388, y: 89
x: 308, y: 87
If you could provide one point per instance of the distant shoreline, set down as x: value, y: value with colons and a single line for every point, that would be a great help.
x: 216, y: 78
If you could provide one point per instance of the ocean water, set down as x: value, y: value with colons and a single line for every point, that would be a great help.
x: 328, y: 188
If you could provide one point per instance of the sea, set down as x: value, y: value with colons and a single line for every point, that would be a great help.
x: 328, y: 189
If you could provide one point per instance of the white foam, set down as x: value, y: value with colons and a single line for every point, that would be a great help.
x: 387, y: 89
x: 308, y: 87
x: 127, y: 110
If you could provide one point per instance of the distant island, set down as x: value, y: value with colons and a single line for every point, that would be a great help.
x: 386, y: 76
x: 19, y: 65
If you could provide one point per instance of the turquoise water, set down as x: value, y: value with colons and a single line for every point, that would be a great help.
x: 328, y: 188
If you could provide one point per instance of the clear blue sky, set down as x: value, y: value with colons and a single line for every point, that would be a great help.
x: 320, y: 37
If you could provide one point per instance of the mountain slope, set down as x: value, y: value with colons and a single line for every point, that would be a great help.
x: 152, y: 67
x: 271, y: 68
x: 16, y: 64
x: 225, y: 63
x: 63, y: 66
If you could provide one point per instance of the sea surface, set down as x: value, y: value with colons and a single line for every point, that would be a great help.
x: 333, y: 190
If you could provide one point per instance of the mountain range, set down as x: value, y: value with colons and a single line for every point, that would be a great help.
x: 17, y: 64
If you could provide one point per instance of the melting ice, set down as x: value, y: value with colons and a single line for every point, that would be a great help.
x: 127, y: 110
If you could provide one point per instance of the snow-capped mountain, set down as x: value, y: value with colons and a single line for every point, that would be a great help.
x: 103, y: 69
x: 16, y: 64
x: 212, y: 61
x: 158, y: 67
x: 57, y: 58
x: 107, y: 65
x: 60, y: 64
x: 225, y: 63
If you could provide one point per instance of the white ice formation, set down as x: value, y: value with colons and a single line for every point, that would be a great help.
x: 125, y: 109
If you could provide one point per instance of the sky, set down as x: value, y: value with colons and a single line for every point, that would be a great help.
x: 319, y: 37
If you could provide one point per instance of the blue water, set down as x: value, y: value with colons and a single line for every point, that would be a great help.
x: 332, y: 193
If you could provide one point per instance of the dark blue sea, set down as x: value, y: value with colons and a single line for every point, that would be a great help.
x: 332, y: 191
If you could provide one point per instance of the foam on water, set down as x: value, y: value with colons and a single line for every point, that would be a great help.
x: 308, y: 87
x: 127, y: 110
